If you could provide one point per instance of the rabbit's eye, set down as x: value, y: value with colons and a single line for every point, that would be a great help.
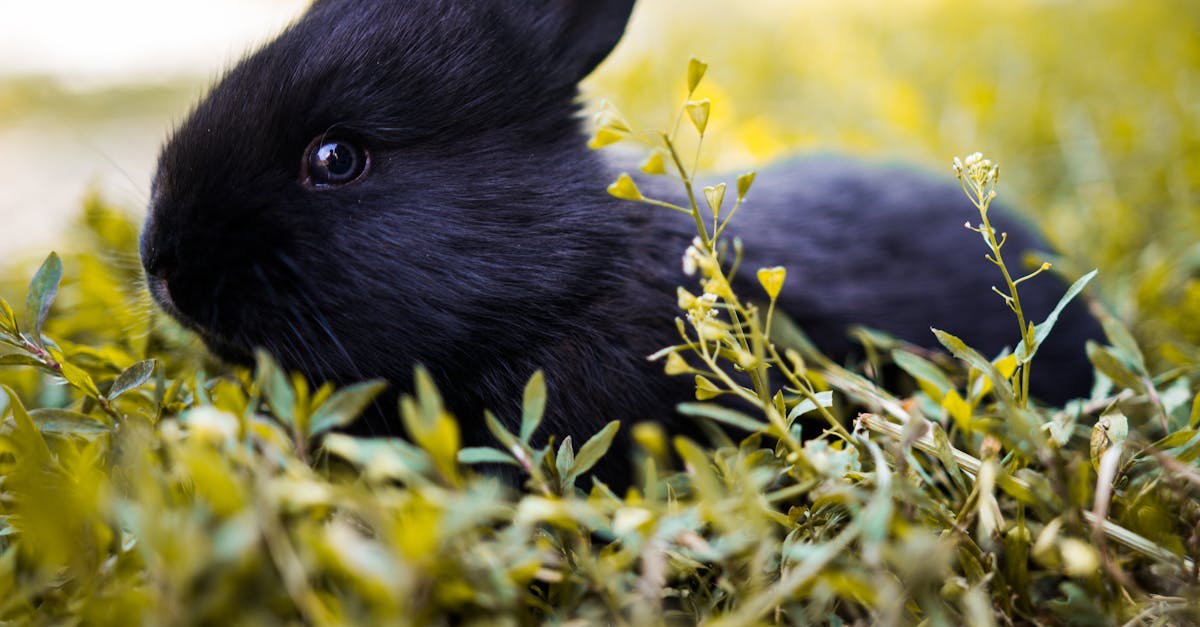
x: 332, y: 163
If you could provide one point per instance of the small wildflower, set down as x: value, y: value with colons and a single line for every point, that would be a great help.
x: 693, y: 258
x: 689, y: 263
x: 979, y: 177
x: 686, y: 300
x: 718, y: 286
x: 715, y: 195
x: 745, y: 359
x: 609, y: 117
x: 712, y: 330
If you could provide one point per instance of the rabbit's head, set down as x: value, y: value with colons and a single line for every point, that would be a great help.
x: 389, y: 183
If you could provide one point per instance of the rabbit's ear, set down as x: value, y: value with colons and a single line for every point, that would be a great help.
x: 582, y: 32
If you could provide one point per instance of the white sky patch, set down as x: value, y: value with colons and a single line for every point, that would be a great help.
x: 99, y: 41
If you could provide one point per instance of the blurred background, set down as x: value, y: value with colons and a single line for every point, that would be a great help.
x: 1092, y: 108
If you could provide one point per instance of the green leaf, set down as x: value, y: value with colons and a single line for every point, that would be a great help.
x: 565, y: 460
x: 1123, y: 343
x: 959, y: 349
x: 594, y: 449
x: 923, y: 370
x: 379, y: 457
x: 1041, y: 331
x: 699, y: 467
x: 723, y: 415
x: 1114, y: 368
x: 8, y: 319
x: 428, y: 396
x: 1194, y: 421
x: 1187, y: 452
x: 17, y: 359
x: 534, y: 405
x: 42, y: 291
x: 133, y: 377
x: 80, y: 379
x: 276, y: 387
x: 436, y: 433
x: 945, y: 454
x: 68, y: 422
x: 824, y: 399
x: 485, y: 455
x: 346, y: 405
x: 26, y: 436
x: 503, y: 435
x: 430, y: 426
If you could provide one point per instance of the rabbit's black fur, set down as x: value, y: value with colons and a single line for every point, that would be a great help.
x: 481, y: 242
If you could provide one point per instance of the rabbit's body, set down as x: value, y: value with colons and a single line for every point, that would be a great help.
x: 390, y: 184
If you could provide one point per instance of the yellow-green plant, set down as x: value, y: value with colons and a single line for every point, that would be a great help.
x: 169, y: 495
x: 979, y: 178
x: 726, y: 335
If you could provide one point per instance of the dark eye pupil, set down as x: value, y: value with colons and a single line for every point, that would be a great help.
x: 335, y: 163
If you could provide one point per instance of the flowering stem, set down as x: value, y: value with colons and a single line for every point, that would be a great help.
x: 978, y: 178
x: 1015, y: 302
x: 691, y: 192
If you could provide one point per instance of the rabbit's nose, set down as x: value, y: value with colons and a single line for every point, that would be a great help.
x: 160, y: 265
x: 160, y: 269
x: 159, y: 260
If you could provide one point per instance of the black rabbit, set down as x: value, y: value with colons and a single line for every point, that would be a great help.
x: 397, y: 183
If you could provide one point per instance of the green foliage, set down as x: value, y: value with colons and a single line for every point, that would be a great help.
x: 147, y: 484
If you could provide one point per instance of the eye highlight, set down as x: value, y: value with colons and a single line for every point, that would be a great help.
x: 330, y: 163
